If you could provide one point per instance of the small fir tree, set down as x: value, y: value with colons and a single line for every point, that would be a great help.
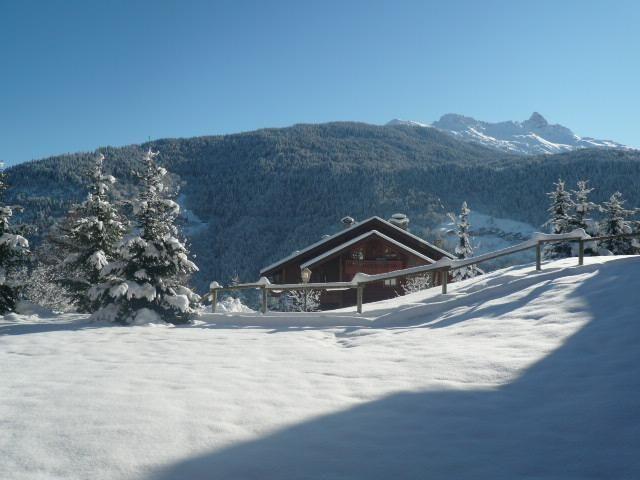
x: 581, y: 215
x: 148, y: 281
x: 305, y: 300
x: 464, y: 248
x: 417, y: 283
x: 13, y: 251
x: 560, y: 221
x: 582, y: 208
x: 615, y: 222
x: 89, y: 238
x: 234, y: 282
x: 41, y: 287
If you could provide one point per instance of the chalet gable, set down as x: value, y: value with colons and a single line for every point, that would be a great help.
x: 373, y: 233
x: 391, y: 232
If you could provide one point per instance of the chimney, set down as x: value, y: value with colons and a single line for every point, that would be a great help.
x: 347, y: 222
x: 400, y: 220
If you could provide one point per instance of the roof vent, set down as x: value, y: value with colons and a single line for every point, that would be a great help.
x: 347, y: 222
x: 399, y: 220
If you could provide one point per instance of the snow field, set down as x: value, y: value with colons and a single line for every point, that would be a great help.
x: 514, y: 374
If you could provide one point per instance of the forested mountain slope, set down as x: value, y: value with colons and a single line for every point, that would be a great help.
x: 254, y: 197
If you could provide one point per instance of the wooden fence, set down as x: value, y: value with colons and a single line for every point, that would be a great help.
x: 444, y: 265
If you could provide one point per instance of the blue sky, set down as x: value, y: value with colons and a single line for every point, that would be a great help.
x: 75, y: 75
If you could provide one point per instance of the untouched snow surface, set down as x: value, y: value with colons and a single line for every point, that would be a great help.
x: 516, y: 374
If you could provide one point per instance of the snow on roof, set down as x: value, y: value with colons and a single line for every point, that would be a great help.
x: 342, y: 232
x: 362, y: 237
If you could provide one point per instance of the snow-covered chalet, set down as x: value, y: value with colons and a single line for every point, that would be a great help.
x: 370, y: 246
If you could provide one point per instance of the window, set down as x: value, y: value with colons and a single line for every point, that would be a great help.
x: 389, y: 254
x: 391, y: 282
x: 357, y: 254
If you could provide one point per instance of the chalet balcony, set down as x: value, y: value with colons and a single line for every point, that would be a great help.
x: 372, y: 267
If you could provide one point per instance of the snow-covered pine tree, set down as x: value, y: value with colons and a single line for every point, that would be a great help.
x: 148, y: 281
x: 560, y: 220
x: 581, y: 215
x: 13, y: 250
x: 89, y: 239
x: 582, y: 207
x: 464, y: 248
x: 615, y: 222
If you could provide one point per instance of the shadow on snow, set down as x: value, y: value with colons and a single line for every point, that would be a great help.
x: 573, y: 415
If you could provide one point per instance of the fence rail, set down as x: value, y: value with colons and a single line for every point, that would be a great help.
x: 444, y: 265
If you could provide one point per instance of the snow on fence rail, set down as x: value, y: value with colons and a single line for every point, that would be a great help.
x: 445, y: 265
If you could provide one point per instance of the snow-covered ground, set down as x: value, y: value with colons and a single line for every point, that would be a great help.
x: 517, y: 374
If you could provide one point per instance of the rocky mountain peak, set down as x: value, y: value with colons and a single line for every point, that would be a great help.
x: 536, y: 121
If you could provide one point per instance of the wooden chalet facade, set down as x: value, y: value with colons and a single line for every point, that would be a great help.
x: 371, y: 246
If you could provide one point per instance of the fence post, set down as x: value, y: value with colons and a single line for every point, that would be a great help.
x: 581, y: 252
x: 213, y: 288
x: 264, y: 299
x: 214, y: 299
x: 445, y: 280
x: 538, y: 256
x: 359, y: 292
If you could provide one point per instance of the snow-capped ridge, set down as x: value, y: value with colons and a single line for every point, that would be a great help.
x: 410, y: 123
x: 528, y: 137
x: 532, y: 136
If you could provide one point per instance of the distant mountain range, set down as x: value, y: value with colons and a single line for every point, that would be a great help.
x: 530, y: 137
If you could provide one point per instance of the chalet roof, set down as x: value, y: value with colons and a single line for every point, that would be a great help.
x: 348, y: 232
x: 353, y: 241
